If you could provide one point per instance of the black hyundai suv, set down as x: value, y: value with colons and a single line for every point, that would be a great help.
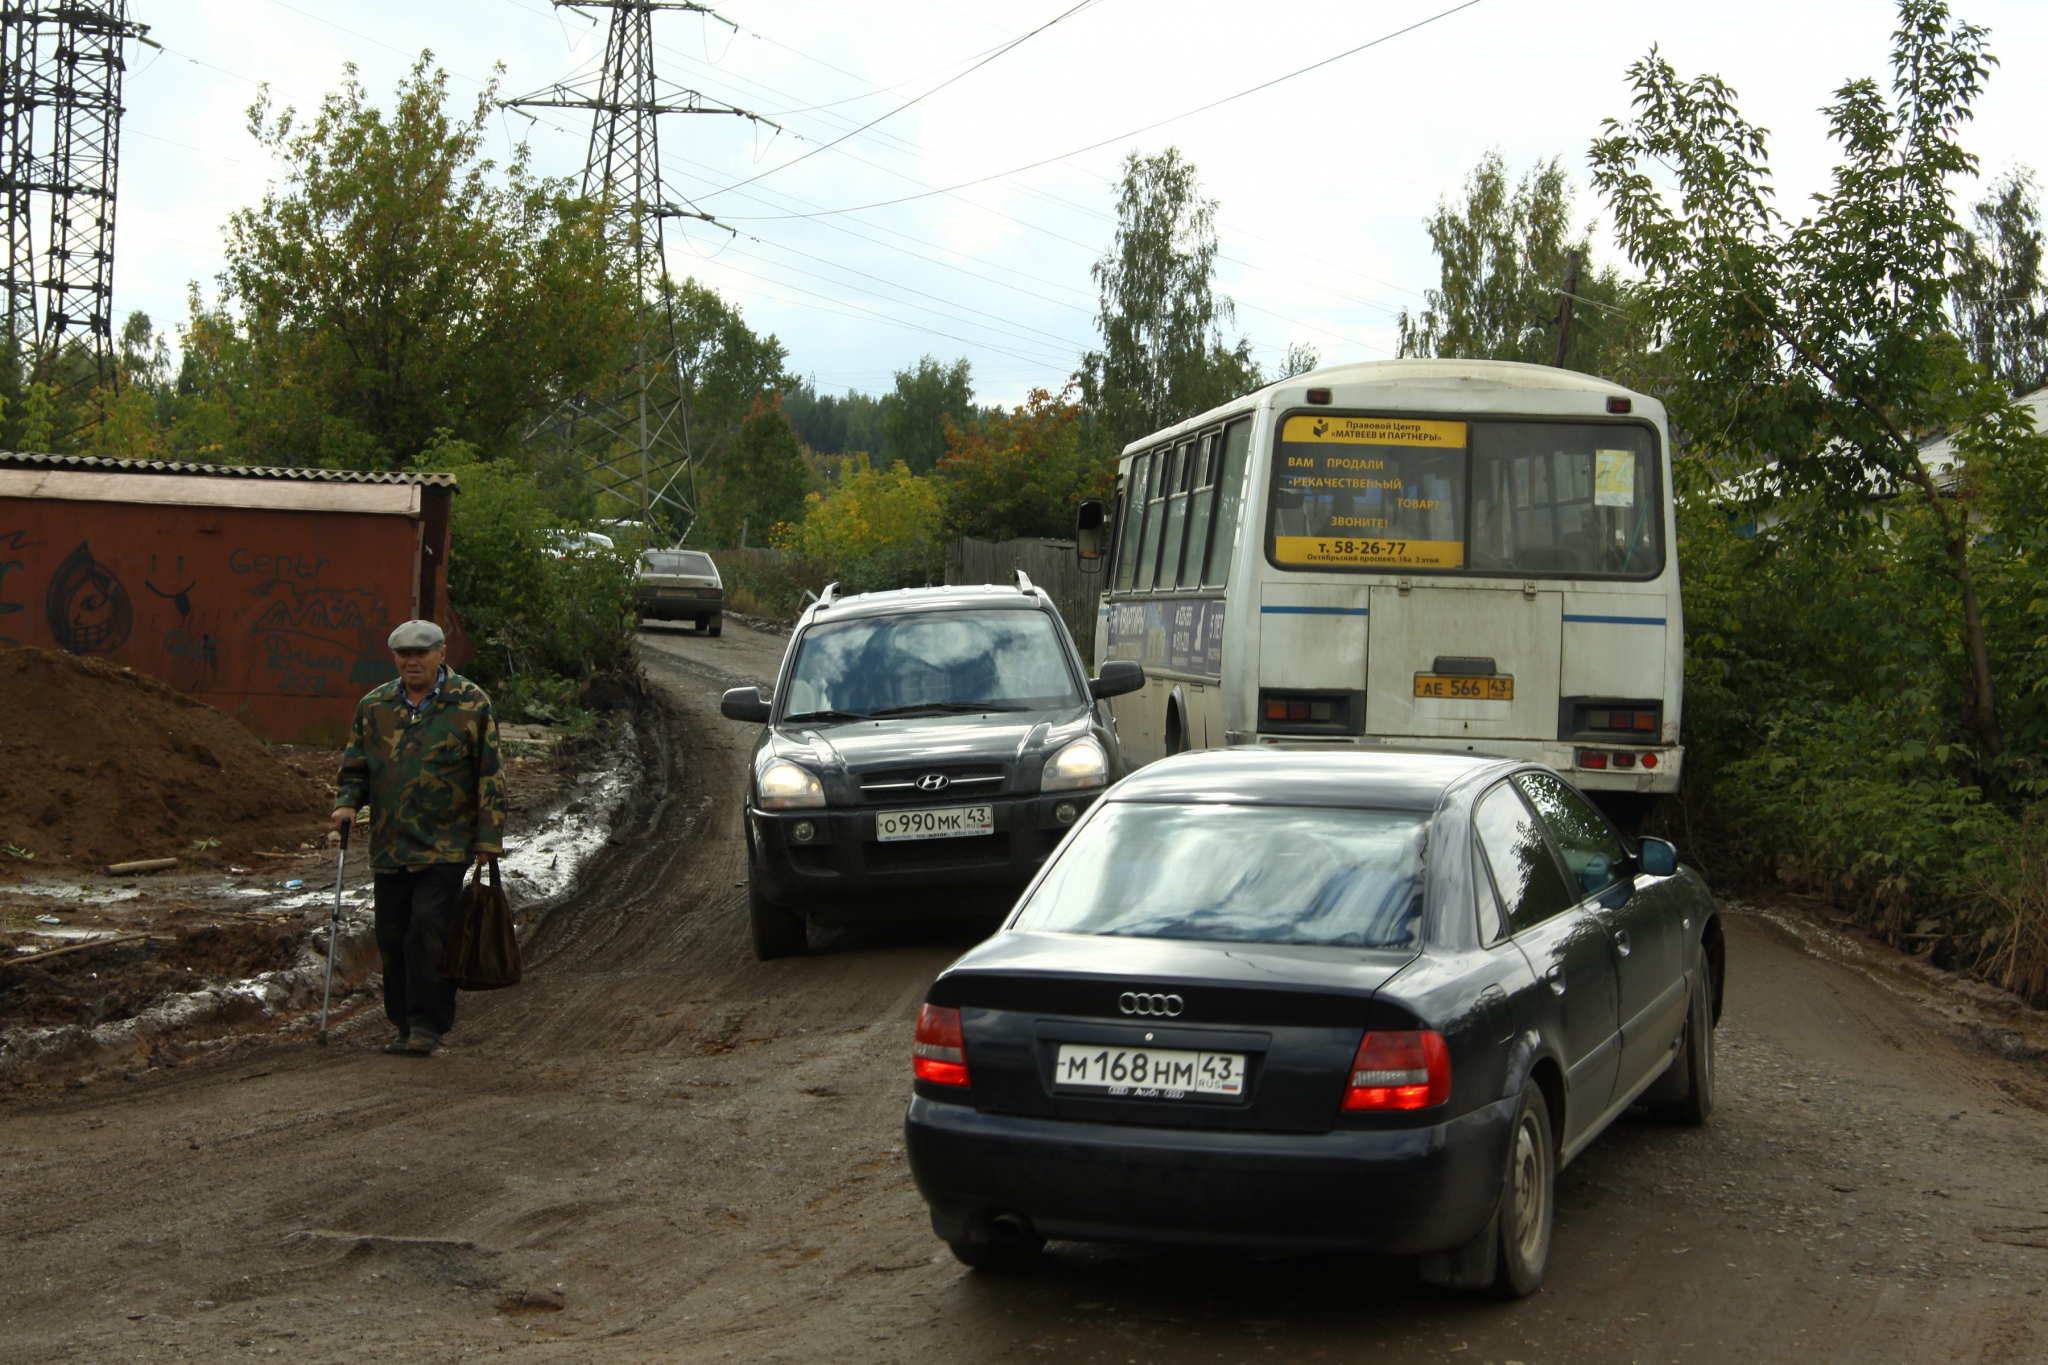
x: 918, y: 741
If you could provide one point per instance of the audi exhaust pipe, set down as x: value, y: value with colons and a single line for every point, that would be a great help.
x: 1011, y: 1229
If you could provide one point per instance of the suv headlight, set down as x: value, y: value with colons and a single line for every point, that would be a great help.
x: 1080, y: 764
x: 784, y: 786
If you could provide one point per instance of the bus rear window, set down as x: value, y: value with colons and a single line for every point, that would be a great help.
x: 1378, y: 492
x: 1571, y: 499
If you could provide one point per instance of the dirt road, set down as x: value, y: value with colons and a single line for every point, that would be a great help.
x: 661, y: 1150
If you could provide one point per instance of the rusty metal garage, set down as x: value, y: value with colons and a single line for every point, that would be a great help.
x: 267, y: 592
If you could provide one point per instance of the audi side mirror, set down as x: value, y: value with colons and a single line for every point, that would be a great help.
x: 1089, y: 520
x: 1118, y: 677
x: 744, y: 703
x: 1659, y: 858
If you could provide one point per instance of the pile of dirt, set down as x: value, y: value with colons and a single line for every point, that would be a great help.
x: 100, y: 764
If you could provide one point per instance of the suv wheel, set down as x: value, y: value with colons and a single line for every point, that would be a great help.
x: 778, y: 932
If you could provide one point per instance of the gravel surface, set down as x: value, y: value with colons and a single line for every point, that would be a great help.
x: 658, y: 1149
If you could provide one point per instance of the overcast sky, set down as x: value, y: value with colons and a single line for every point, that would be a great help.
x: 1323, y: 180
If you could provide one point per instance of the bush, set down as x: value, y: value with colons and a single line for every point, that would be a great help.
x: 543, y: 623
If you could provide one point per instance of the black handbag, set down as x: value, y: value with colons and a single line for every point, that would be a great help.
x: 483, y: 950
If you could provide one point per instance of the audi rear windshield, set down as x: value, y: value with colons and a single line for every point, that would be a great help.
x: 1238, y: 874
x: 1543, y: 499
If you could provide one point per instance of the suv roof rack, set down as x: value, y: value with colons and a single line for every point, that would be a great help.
x: 1023, y: 582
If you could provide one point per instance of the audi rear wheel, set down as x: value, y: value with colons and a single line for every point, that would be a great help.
x: 1528, y: 1199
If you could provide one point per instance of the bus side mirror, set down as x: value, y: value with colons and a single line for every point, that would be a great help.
x: 743, y: 703
x: 1658, y: 858
x: 1118, y: 677
x: 1088, y: 523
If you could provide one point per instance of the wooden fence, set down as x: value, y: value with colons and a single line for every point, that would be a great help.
x: 1050, y: 564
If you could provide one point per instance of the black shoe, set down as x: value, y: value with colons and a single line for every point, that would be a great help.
x: 399, y: 1046
x: 423, y: 1042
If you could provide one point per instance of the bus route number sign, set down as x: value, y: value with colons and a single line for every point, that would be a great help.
x: 1454, y: 687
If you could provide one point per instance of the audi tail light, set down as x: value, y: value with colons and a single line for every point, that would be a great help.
x: 938, y: 1053
x: 1399, y: 1070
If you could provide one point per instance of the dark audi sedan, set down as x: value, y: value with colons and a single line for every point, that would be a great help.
x: 1286, y: 1000
x: 924, y: 750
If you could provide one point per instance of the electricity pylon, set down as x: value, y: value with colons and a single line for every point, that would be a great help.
x: 60, y: 142
x: 636, y: 435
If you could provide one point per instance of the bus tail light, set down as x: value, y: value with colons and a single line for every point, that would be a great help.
x: 1592, y: 758
x: 1649, y: 760
x: 1400, y: 1070
x: 938, y: 1052
x: 1620, y: 405
x: 1624, y: 760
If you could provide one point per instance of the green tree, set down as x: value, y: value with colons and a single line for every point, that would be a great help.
x: 397, y: 283
x: 1163, y: 356
x: 831, y: 425
x: 1502, y: 261
x: 1020, y: 473
x: 910, y: 423
x: 725, y: 367
x: 1810, y: 355
x: 2000, y: 301
x: 759, y: 483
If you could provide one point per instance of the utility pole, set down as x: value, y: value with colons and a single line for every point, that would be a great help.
x: 1564, y: 309
x: 60, y: 142
x: 638, y: 433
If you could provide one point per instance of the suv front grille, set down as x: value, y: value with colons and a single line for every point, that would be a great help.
x: 964, y: 782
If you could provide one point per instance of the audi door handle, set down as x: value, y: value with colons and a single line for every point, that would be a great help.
x: 1621, y: 941
x: 1554, y: 978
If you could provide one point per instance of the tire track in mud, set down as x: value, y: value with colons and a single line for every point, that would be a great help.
x: 700, y: 1154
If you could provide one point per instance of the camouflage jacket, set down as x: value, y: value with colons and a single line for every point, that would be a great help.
x: 433, y: 782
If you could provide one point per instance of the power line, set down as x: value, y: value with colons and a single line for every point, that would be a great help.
x: 1175, y: 118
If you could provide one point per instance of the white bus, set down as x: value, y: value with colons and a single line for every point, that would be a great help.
x: 1462, y: 556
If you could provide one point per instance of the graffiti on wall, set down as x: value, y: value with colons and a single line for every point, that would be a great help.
x: 14, y: 542
x: 89, y: 611
x: 319, y: 641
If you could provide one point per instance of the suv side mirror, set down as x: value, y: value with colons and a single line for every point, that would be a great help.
x: 1118, y: 677
x: 1658, y: 857
x: 743, y: 703
x: 1088, y: 524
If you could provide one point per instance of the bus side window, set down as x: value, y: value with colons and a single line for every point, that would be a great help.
x: 1155, y: 517
x: 1200, y: 508
x: 1237, y: 444
x: 1179, y: 471
x: 1129, y: 533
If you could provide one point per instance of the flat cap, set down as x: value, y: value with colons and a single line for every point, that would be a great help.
x: 418, y: 635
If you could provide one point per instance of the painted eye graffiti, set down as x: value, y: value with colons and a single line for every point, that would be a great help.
x: 88, y: 609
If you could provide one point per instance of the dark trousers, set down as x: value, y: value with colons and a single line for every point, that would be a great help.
x: 415, y: 910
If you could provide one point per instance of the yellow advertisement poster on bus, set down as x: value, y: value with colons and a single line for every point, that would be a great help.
x: 1369, y: 492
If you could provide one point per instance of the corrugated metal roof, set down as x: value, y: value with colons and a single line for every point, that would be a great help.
x: 23, y: 459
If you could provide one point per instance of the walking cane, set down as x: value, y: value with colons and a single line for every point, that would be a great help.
x: 334, y: 927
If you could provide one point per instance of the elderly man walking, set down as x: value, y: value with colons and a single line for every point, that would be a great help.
x: 423, y: 754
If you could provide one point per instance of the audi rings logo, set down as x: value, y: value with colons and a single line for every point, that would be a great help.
x: 934, y: 782
x: 1152, y: 1006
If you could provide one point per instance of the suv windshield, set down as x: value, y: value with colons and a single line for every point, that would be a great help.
x: 1251, y: 874
x: 931, y: 660
x: 679, y: 561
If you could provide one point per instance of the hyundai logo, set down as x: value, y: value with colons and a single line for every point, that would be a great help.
x: 934, y: 782
x: 1153, y: 1006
